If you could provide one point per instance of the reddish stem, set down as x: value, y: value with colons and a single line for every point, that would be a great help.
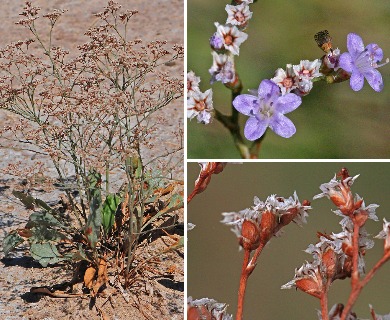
x: 360, y: 285
x: 193, y: 193
x: 243, y: 282
x: 197, y: 189
x: 357, y: 285
x: 324, y: 305
x: 375, y: 268
x: 256, y: 255
x: 247, y: 268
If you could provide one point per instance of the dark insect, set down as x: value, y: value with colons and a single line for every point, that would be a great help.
x: 324, y: 41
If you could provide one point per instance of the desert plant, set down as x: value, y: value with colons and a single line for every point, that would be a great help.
x: 94, y: 115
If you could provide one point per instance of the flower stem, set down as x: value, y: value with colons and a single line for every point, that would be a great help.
x: 247, y: 268
x: 324, y: 305
x: 242, y: 288
x: 234, y: 129
x: 361, y: 284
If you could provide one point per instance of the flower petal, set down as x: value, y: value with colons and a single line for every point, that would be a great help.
x: 357, y: 80
x: 246, y: 104
x: 268, y: 90
x: 282, y: 125
x: 191, y: 114
x: 287, y: 103
x: 204, y: 117
x: 374, y: 79
x: 345, y: 62
x: 355, y: 45
x: 375, y: 52
x: 255, y: 128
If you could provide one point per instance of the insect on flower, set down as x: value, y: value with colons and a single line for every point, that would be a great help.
x: 324, y: 41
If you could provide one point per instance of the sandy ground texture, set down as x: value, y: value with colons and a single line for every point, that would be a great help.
x: 159, y: 293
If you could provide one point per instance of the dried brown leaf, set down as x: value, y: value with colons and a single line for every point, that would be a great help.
x: 102, y: 276
x: 88, y: 277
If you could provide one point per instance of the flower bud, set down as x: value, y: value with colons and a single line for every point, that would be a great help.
x: 250, y: 233
x: 329, y: 261
x: 268, y: 226
x: 310, y: 286
x: 198, y: 313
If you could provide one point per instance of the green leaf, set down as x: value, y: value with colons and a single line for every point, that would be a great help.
x: 28, y: 201
x: 109, y: 209
x: 11, y: 241
x: 44, y: 218
x: 43, y: 205
x: 46, y: 253
x: 94, y: 222
x: 41, y: 233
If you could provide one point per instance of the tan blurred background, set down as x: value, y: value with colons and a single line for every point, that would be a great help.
x: 214, y: 262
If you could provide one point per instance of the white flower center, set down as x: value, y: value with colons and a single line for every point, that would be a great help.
x: 266, y: 110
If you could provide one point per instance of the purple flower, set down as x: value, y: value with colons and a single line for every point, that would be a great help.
x: 216, y: 42
x: 223, y: 68
x: 267, y: 110
x: 362, y: 63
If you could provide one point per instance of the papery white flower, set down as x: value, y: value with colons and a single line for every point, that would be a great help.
x: 286, y: 80
x: 236, y: 219
x: 304, y: 86
x: 231, y: 37
x: 200, y: 105
x: 238, y: 15
x: 308, y: 69
x: 305, y: 72
x: 334, y: 187
x: 307, y: 279
x: 385, y: 234
x: 216, y: 309
x: 192, y: 83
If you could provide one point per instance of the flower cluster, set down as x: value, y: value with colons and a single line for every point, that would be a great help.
x: 332, y: 260
x: 340, y: 255
x: 359, y: 63
x: 226, y: 41
x: 199, y: 104
x: 276, y: 97
x: 258, y: 224
x: 351, y: 208
x: 206, y: 308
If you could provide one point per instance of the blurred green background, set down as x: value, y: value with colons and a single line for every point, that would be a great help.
x: 333, y: 121
x: 214, y: 262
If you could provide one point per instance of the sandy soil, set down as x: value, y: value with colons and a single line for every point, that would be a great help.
x: 159, y: 293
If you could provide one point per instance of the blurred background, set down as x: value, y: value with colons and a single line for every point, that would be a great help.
x: 333, y: 120
x: 214, y: 261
